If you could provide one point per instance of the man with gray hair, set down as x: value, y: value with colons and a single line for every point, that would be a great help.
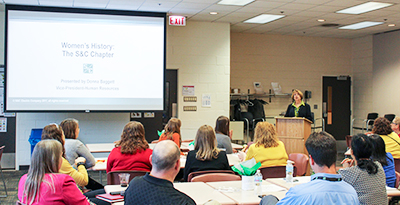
x: 157, y: 187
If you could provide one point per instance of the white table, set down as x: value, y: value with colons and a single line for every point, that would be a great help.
x: 200, y: 192
x: 100, y: 147
x: 233, y: 189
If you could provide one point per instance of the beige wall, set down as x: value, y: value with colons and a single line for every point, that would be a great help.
x: 293, y: 61
x: 362, y: 77
x: 201, y: 51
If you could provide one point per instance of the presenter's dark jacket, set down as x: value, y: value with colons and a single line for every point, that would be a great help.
x: 304, y: 111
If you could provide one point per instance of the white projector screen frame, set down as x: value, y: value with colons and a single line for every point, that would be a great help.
x: 67, y: 59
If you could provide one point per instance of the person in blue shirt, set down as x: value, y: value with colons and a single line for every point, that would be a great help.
x: 325, y: 187
x: 385, y: 158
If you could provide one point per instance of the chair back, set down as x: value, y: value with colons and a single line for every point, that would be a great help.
x: 390, y: 117
x: 1, y: 152
x: 194, y: 174
x: 396, y: 184
x: 372, y: 116
x: 113, y: 178
x: 276, y: 172
x: 216, y: 177
x: 301, y: 162
x: 397, y: 165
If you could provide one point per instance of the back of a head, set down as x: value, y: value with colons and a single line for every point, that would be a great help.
x: 382, y: 126
x: 69, y: 127
x: 265, y: 135
x: 165, y: 154
x: 205, y: 143
x: 133, y: 138
x: 322, y: 148
x: 222, y: 125
x: 53, y: 132
x: 363, y: 147
x: 173, y: 126
x: 379, y: 151
x: 46, y: 158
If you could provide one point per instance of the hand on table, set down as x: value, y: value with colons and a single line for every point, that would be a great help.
x: 241, y: 156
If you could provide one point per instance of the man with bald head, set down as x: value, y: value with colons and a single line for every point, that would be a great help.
x: 157, y: 187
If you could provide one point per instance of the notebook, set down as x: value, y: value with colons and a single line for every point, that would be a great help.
x: 110, y: 198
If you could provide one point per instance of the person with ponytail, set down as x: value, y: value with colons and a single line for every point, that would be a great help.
x: 43, y: 184
x: 366, y: 176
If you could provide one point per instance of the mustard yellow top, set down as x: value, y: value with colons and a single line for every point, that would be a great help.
x: 271, y: 156
x: 80, y: 176
x: 392, y: 141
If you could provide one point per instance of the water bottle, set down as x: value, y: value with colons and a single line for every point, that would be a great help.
x: 289, y: 171
x: 258, y: 181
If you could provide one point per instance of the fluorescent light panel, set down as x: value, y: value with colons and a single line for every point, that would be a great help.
x: 361, y: 25
x: 264, y: 18
x: 235, y: 2
x: 363, y: 8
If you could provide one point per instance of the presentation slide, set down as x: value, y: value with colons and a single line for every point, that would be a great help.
x: 84, y: 62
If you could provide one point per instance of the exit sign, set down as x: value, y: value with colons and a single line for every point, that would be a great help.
x: 177, y: 20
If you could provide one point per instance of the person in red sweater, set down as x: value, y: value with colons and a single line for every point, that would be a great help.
x: 172, y: 131
x: 132, y: 152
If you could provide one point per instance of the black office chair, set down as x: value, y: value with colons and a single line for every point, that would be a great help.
x: 390, y: 117
x: 367, y: 124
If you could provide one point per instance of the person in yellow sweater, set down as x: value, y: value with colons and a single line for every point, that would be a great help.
x: 392, y: 141
x: 267, y: 149
x: 53, y: 131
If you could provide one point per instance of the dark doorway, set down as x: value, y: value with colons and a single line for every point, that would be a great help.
x: 171, y: 95
x: 336, y: 105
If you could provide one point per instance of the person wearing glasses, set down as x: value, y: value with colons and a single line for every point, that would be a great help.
x: 395, y: 125
x: 392, y: 141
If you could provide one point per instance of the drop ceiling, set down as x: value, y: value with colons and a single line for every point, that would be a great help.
x: 301, y: 15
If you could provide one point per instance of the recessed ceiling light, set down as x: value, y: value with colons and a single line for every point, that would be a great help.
x: 392, y: 24
x: 264, y: 18
x: 321, y: 20
x: 213, y: 13
x: 363, y: 8
x: 361, y: 25
x: 235, y: 2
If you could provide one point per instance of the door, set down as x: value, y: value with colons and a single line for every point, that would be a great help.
x: 171, y: 95
x: 336, y: 105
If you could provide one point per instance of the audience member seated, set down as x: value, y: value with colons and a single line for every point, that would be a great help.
x: 267, y: 149
x: 385, y: 158
x: 223, y: 134
x: 53, y: 131
x: 392, y: 141
x: 43, y: 184
x: 366, y: 176
x: 75, y: 148
x: 325, y: 187
x: 172, y: 131
x: 132, y: 152
x: 206, y: 155
x: 396, y: 125
x: 157, y: 187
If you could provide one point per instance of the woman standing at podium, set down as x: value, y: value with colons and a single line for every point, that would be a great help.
x: 298, y: 108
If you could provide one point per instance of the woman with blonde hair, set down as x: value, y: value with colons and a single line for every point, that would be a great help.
x: 298, y: 108
x: 267, y: 149
x: 132, y: 152
x: 172, y: 131
x: 206, y: 155
x: 43, y: 184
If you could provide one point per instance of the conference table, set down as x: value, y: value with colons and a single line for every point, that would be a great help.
x: 107, y: 147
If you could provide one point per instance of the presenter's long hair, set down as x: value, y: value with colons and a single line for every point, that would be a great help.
x: 70, y: 127
x: 265, y: 135
x: 173, y: 126
x: 46, y: 158
x: 205, y: 144
x: 132, y: 138
x: 54, y: 132
x: 363, y: 147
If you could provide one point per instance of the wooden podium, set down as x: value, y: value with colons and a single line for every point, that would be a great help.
x: 293, y: 132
